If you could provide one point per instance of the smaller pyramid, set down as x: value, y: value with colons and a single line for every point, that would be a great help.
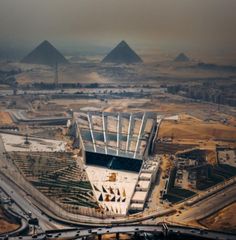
x: 122, y: 53
x: 181, y: 58
x: 45, y: 53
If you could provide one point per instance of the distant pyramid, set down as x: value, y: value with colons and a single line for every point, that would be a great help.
x: 46, y: 54
x: 122, y: 53
x: 181, y: 58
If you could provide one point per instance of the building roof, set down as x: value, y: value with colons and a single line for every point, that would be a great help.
x: 119, y: 134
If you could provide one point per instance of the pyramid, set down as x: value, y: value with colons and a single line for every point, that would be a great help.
x: 46, y: 54
x: 181, y: 58
x: 122, y: 53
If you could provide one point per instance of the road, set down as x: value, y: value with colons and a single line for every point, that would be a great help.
x: 14, y: 210
x: 154, y: 229
x: 51, y: 208
x: 21, y: 198
x: 148, y: 229
x: 27, y: 203
x: 207, y: 206
x: 18, y: 192
x: 26, y: 206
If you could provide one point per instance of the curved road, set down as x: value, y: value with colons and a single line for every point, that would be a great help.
x: 27, y: 203
x: 206, y: 207
x: 157, y: 229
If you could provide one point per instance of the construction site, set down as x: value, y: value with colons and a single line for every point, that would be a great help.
x: 114, y: 148
x: 110, y: 161
x: 95, y: 147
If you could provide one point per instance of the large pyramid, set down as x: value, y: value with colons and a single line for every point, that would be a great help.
x: 122, y: 53
x: 45, y: 53
x: 181, y: 58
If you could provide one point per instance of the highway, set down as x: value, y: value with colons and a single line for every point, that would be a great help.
x: 161, y: 230
x: 48, y: 225
x: 157, y: 229
x: 26, y: 206
x: 207, y: 206
x: 49, y: 220
x: 21, y: 198
x: 15, y: 211
x: 51, y: 209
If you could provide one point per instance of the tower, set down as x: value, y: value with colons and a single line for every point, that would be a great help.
x: 56, y: 76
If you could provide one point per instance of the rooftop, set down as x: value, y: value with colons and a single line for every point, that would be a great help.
x: 121, y: 134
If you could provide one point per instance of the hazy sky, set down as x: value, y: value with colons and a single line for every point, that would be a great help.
x: 164, y: 24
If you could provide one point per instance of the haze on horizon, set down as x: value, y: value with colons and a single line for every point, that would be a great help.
x: 170, y: 25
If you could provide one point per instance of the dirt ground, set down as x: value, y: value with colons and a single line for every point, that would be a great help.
x: 5, y: 118
x: 5, y: 224
x: 224, y: 220
x: 75, y: 104
x: 192, y: 130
